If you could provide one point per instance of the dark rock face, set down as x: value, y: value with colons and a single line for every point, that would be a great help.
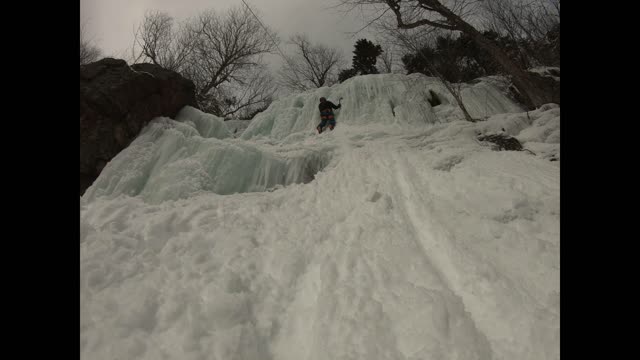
x: 117, y: 101
x: 549, y: 80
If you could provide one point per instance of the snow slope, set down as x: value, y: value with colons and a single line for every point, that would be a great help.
x: 392, y: 237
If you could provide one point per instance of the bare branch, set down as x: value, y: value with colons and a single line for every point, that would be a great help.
x: 370, y: 22
x: 394, y: 5
x: 257, y: 92
x: 88, y: 51
x: 311, y: 65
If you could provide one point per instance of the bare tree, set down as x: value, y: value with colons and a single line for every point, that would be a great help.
x: 412, y: 14
x: 526, y: 22
x: 412, y: 41
x: 413, y: 44
x: 88, y: 51
x: 220, y: 52
x: 311, y: 66
x: 161, y: 43
x: 226, y: 47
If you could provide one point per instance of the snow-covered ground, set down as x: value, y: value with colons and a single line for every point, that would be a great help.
x: 396, y: 236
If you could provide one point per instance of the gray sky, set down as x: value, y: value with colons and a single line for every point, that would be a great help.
x: 111, y: 23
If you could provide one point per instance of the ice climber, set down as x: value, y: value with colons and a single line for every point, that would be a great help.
x: 326, y: 114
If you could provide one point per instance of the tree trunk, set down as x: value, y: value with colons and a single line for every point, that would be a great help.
x: 534, y: 91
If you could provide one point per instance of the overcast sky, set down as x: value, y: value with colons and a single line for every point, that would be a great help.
x: 111, y: 23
